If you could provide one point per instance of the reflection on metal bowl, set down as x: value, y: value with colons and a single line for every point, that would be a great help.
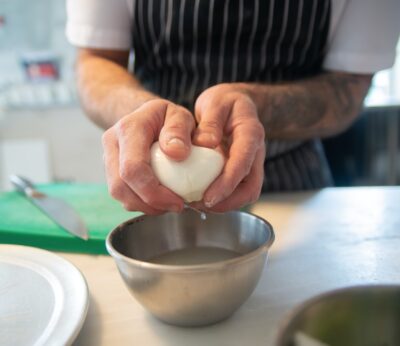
x: 354, y: 316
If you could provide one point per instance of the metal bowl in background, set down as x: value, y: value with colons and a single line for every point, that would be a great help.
x: 354, y: 316
x: 194, y: 294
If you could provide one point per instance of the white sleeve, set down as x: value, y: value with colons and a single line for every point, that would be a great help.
x: 99, y: 24
x: 365, y: 38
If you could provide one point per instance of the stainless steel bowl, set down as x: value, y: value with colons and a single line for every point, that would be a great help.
x: 355, y: 316
x: 197, y: 294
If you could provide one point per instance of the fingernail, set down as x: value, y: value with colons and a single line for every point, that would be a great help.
x: 211, y: 202
x: 176, y: 142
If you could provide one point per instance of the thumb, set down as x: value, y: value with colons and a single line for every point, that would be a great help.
x: 209, y: 131
x: 175, y: 135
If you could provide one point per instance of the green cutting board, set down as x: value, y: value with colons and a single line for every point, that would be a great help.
x: 23, y: 223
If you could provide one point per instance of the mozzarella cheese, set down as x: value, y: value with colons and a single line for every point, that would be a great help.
x: 189, y: 178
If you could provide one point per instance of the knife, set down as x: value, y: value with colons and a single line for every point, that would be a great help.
x: 56, y: 209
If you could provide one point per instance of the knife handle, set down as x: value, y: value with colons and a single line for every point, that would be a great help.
x: 23, y: 185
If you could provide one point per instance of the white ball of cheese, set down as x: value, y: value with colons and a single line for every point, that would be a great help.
x: 189, y: 178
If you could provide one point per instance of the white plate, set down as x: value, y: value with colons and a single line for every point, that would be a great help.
x: 43, y: 297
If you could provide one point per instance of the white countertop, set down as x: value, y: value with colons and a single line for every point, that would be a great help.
x: 327, y: 239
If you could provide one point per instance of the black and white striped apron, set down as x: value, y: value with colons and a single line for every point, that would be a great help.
x: 182, y: 47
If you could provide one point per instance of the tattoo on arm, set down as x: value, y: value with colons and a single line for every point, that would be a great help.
x: 346, y: 93
x: 315, y: 107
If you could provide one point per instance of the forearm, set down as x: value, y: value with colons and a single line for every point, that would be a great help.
x: 107, y: 90
x: 316, y: 107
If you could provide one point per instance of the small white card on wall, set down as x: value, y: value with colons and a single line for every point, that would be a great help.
x: 26, y: 157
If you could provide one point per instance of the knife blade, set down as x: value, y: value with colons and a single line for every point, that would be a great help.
x: 56, y: 209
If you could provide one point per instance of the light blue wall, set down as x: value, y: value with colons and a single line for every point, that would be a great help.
x: 32, y: 25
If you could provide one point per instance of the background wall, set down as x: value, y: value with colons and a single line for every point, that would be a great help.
x: 43, y: 132
x: 50, y: 145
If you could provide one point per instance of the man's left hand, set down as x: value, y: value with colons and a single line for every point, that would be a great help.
x: 227, y: 117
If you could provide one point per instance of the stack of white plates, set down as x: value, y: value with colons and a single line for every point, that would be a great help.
x: 43, y: 298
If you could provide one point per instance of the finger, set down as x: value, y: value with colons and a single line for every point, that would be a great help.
x: 248, y: 191
x: 175, y: 136
x: 135, y: 140
x: 116, y: 186
x: 211, y: 123
x: 247, y: 140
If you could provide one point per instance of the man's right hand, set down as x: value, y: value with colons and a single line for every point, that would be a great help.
x: 127, y: 146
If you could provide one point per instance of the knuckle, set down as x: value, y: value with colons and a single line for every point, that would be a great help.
x: 230, y: 186
x: 247, y: 168
x: 181, y: 115
x: 258, y: 132
x: 190, y: 120
x: 256, y: 188
x: 155, y: 107
x: 154, y: 212
x: 150, y: 199
x: 211, y: 124
x: 182, y: 110
x: 210, y: 98
x: 244, y: 166
x: 199, y: 106
x: 157, y: 103
x: 130, y: 170
x: 106, y: 137
x: 138, y: 175
x: 126, y: 126
x: 131, y: 206
x: 242, y: 169
x: 116, y: 190
x: 255, y: 195
x: 176, y: 125
x: 123, y: 126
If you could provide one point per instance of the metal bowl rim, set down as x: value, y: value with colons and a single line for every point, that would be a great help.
x: 190, y: 268
x: 296, y: 311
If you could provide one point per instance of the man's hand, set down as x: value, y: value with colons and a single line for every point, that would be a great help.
x: 127, y: 155
x: 228, y: 117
